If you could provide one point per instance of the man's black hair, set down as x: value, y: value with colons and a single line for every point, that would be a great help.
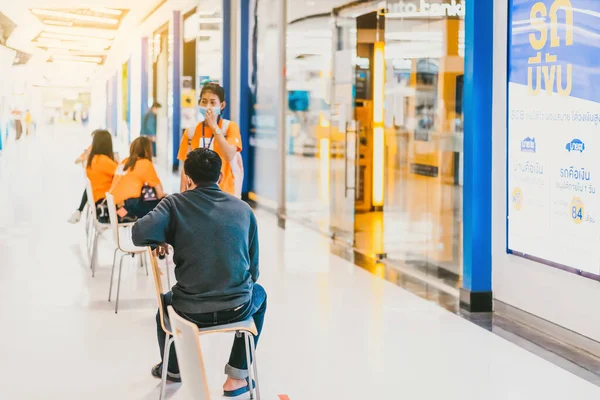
x: 156, y: 104
x: 203, y: 166
x: 214, y: 88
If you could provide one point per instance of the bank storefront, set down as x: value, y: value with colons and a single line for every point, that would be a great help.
x: 373, y: 120
x: 452, y: 137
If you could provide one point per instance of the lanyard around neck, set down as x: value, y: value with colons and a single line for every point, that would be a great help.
x: 213, y: 136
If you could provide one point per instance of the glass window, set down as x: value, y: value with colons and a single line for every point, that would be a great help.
x: 424, y: 135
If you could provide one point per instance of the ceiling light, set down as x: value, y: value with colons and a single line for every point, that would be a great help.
x: 99, y: 42
x: 77, y: 58
x: 67, y: 15
x: 72, y: 63
x: 58, y: 23
x: 67, y: 46
x: 87, y: 32
x: 110, y: 11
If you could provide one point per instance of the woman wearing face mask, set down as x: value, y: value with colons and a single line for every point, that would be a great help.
x: 217, y: 134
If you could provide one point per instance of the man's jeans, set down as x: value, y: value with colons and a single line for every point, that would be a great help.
x: 237, y: 368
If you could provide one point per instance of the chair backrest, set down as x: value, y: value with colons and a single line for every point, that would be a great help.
x: 114, y: 219
x: 90, y: 196
x: 158, y: 284
x: 189, y: 357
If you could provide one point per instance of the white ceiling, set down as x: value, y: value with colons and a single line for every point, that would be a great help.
x: 79, y: 74
x: 68, y: 73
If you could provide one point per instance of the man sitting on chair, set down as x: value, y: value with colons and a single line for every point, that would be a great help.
x: 215, y: 240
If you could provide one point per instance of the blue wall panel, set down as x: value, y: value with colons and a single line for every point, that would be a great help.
x: 477, y: 203
x: 145, y: 77
x: 177, y: 72
x: 226, y: 52
x: 245, y: 95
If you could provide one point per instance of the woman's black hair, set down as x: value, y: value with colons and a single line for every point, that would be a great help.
x: 214, y: 88
x: 101, y: 145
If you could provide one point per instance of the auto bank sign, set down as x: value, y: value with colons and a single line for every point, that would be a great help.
x: 425, y: 9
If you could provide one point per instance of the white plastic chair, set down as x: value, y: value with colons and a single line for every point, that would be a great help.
x: 189, y: 354
x: 122, y: 236
x: 97, y: 227
x: 87, y: 210
x: 189, y: 357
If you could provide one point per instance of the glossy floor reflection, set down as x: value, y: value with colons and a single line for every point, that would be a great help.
x: 333, y: 331
x: 421, y: 224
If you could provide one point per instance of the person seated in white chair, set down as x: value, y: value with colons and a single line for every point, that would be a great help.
x: 214, y: 236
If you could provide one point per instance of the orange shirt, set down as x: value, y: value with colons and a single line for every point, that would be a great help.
x: 101, y: 174
x: 232, y: 136
x: 128, y: 184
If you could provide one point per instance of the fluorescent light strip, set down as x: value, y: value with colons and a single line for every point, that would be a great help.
x: 58, y: 23
x: 109, y: 11
x: 67, y: 46
x: 67, y: 15
x: 86, y: 52
x: 87, y: 32
x: 72, y: 63
x: 77, y: 58
x: 57, y: 36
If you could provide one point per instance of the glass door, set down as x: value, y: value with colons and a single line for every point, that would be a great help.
x: 343, y: 130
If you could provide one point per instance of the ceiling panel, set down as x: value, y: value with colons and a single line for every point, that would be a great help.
x: 77, y: 34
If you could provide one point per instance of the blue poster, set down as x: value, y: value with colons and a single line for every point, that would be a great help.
x: 553, y: 125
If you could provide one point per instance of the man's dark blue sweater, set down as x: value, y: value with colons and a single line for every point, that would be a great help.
x: 215, y: 239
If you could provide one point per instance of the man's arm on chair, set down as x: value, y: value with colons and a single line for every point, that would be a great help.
x: 253, y: 249
x: 152, y: 230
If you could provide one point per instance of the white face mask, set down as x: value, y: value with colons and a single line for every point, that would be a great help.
x: 203, y: 110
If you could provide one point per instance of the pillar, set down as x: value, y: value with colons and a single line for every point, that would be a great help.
x: 144, y: 81
x: 476, y: 293
x: 176, y: 79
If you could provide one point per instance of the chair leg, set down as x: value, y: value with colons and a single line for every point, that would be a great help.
x: 87, y: 243
x: 145, y: 262
x: 112, y: 274
x: 248, y: 362
x: 87, y: 220
x: 119, y: 283
x: 254, y: 366
x: 90, y: 238
x: 168, y: 276
x: 94, y: 256
x: 115, y: 257
x: 165, y: 367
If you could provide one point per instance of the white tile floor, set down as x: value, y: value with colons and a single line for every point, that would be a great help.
x: 332, y: 330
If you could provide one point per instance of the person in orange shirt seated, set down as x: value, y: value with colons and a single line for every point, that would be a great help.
x: 100, y: 169
x: 136, y: 187
x: 216, y: 134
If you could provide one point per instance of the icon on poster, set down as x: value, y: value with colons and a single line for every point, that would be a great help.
x: 576, y: 145
x: 528, y: 145
x: 517, y: 199
x: 577, y: 210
